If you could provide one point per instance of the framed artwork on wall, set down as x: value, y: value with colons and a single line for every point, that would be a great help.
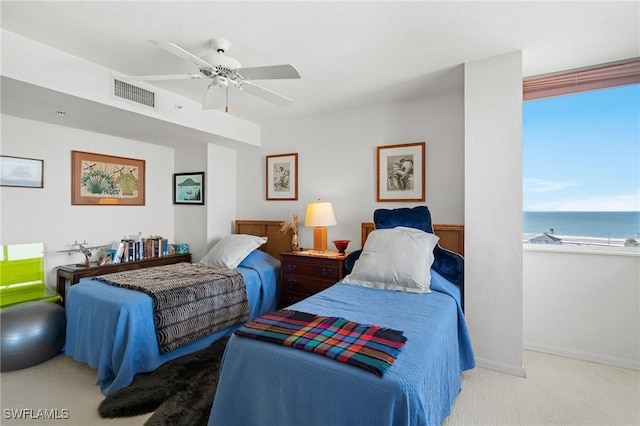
x: 21, y: 172
x: 401, y: 172
x: 188, y: 188
x: 282, y: 176
x: 98, y: 179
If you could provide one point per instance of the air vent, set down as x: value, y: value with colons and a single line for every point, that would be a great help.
x: 123, y: 90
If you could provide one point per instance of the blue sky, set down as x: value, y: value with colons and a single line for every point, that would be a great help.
x: 581, y: 152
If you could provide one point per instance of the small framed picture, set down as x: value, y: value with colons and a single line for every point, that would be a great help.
x: 282, y: 177
x: 401, y: 172
x: 188, y: 188
x: 21, y: 172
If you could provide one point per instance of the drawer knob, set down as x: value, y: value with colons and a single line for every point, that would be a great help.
x: 327, y: 271
x: 291, y: 267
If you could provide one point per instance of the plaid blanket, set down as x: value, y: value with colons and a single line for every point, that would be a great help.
x: 190, y: 301
x: 369, y: 347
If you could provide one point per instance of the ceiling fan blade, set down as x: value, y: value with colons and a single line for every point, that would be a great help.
x: 179, y: 51
x: 269, y: 72
x: 266, y: 94
x: 163, y: 77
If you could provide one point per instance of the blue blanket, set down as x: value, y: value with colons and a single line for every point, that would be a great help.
x: 285, y: 386
x: 112, y: 329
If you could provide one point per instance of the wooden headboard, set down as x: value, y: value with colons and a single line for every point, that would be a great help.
x: 451, y: 236
x: 277, y: 242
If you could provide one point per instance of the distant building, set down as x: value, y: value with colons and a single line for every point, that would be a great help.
x: 545, y: 238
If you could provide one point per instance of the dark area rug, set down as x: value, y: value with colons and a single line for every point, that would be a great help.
x: 179, y: 392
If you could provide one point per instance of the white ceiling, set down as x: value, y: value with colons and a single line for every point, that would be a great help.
x: 348, y: 53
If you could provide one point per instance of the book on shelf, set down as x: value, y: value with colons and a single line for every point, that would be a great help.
x: 129, y: 250
x: 120, y: 251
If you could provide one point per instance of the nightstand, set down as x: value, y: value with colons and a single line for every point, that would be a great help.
x: 303, y: 275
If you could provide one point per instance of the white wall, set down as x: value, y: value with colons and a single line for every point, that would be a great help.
x: 583, y: 305
x: 46, y: 215
x: 221, y: 181
x: 337, y: 162
x: 493, y: 211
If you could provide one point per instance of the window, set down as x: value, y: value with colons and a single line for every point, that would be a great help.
x: 581, y: 156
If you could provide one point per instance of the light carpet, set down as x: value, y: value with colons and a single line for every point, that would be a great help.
x: 557, y: 391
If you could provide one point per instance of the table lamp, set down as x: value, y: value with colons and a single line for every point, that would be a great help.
x: 319, y: 215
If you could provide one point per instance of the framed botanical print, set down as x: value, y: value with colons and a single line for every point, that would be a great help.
x: 98, y: 179
x: 188, y: 188
x: 282, y: 176
x: 401, y: 172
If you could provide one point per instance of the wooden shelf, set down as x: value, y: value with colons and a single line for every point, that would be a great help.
x: 73, y: 273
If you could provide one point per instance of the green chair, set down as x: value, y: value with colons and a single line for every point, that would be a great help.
x: 22, y: 275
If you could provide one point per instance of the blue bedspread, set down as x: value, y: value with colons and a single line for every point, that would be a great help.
x: 112, y: 329
x: 266, y: 384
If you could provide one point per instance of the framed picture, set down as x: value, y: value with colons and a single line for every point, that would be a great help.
x: 282, y: 177
x: 188, y: 188
x: 401, y: 172
x: 21, y: 172
x: 98, y: 179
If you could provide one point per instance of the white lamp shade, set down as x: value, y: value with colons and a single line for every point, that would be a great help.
x: 319, y: 214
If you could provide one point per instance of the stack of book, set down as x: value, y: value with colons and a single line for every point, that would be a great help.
x: 130, y: 250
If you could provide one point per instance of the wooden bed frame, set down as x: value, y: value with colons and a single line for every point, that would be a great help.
x: 451, y: 236
x: 277, y: 242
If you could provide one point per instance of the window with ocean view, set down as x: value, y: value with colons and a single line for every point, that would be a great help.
x: 581, y: 168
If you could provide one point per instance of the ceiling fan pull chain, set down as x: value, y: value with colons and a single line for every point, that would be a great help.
x: 226, y: 108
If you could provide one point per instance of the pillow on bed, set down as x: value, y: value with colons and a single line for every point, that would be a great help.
x: 395, y: 259
x: 231, y: 250
x: 447, y: 263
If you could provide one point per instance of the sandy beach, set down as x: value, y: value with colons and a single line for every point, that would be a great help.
x: 571, y: 240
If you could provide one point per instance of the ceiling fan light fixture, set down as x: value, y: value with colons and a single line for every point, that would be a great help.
x: 220, y: 81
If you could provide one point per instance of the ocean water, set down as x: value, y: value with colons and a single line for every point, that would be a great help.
x: 583, y: 224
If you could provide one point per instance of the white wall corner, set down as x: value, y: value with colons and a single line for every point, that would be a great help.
x: 493, y: 209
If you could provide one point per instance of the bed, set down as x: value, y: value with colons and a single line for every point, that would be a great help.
x: 112, y: 329
x: 266, y: 383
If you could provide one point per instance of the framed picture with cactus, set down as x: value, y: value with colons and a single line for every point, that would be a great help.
x: 98, y: 179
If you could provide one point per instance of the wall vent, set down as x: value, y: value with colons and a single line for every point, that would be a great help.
x: 127, y: 91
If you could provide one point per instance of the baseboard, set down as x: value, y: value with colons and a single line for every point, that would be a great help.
x: 582, y: 356
x: 501, y: 367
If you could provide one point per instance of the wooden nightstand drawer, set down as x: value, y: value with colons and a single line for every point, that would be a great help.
x: 305, y: 284
x: 305, y: 275
x: 306, y: 266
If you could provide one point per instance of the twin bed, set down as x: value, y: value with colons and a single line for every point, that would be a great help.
x: 112, y: 329
x: 266, y: 383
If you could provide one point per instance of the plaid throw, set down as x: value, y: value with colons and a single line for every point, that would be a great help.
x: 369, y: 347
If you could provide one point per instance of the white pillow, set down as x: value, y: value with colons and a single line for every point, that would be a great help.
x: 231, y: 250
x: 397, y: 259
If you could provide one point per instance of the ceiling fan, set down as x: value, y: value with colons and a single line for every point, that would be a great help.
x: 223, y: 71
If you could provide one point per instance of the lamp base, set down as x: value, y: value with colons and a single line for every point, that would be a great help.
x: 320, y: 238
